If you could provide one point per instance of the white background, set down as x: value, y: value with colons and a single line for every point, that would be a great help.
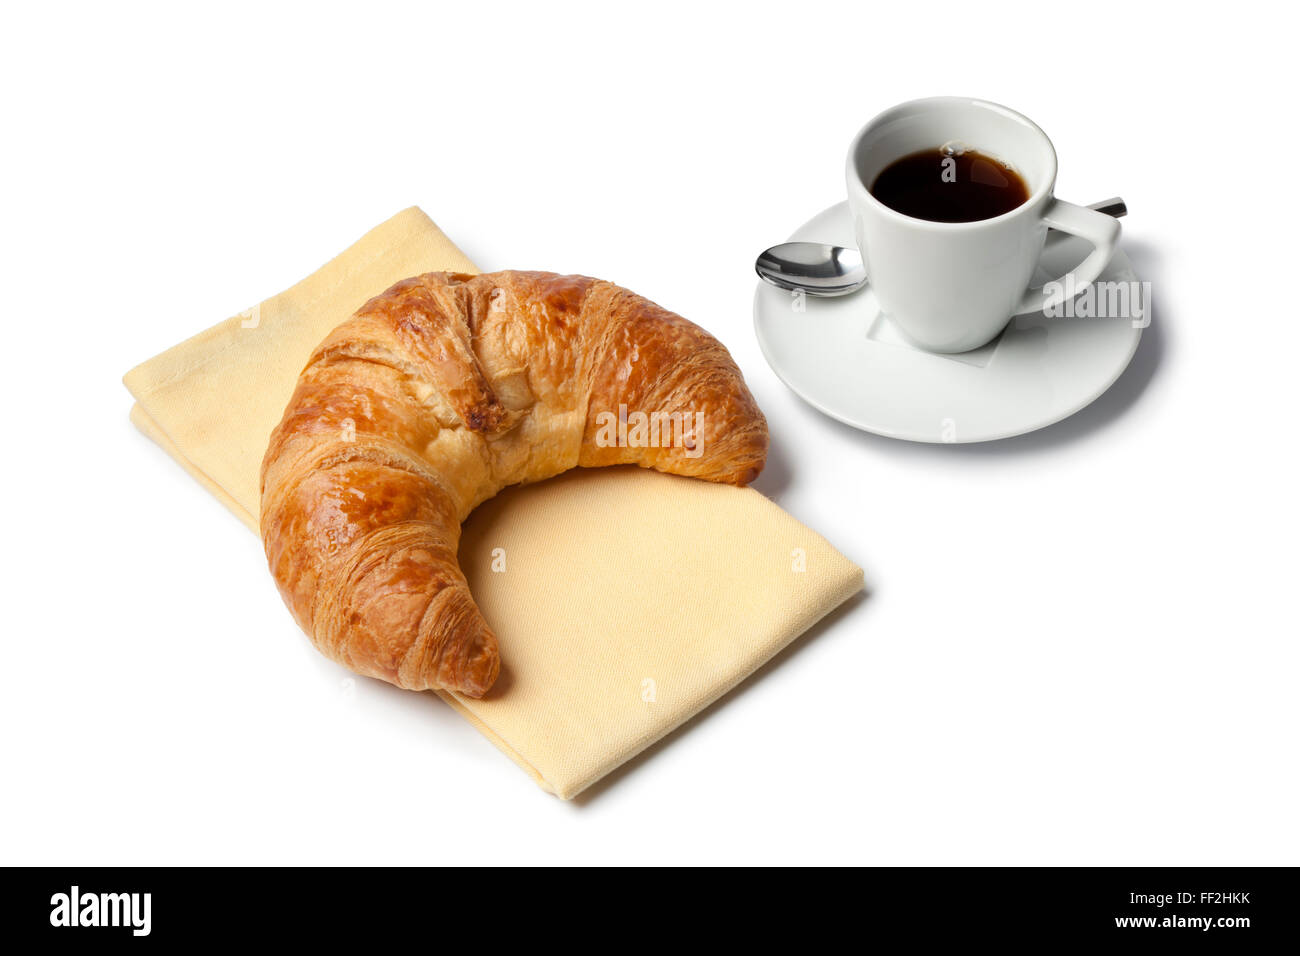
x: 1079, y: 646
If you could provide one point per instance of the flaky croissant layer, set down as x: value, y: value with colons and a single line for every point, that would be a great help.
x: 436, y: 395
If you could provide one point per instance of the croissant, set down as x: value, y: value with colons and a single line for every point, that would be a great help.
x: 436, y: 395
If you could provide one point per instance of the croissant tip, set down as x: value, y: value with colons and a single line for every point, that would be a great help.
x: 480, y: 672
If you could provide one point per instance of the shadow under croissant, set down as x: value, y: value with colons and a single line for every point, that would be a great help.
x: 775, y: 477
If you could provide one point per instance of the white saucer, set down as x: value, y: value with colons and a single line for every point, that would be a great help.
x: 847, y: 360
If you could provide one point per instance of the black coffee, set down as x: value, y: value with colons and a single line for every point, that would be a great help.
x: 944, y: 185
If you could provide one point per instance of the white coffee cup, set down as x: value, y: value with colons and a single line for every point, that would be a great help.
x: 953, y: 286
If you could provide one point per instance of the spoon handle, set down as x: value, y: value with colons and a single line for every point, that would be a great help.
x: 1111, y: 207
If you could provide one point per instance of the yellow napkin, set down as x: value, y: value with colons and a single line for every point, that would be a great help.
x: 625, y: 601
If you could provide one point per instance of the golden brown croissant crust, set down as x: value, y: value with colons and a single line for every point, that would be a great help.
x: 436, y: 395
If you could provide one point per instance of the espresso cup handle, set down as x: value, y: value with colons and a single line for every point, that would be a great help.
x: 1097, y: 228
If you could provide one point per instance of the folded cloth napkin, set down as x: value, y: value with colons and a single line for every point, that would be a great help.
x: 625, y: 601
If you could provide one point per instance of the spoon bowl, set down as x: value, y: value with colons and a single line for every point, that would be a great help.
x: 815, y: 268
